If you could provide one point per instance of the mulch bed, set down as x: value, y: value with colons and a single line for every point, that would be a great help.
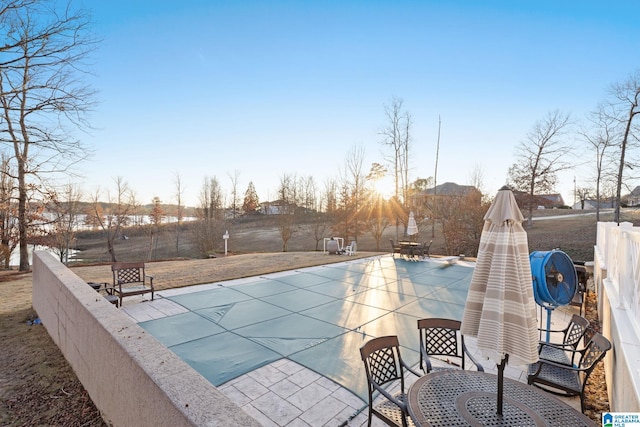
x: 596, y: 397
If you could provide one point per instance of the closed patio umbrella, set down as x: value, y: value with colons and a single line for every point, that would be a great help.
x: 412, y: 227
x: 500, y: 308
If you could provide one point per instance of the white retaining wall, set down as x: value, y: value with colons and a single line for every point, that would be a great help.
x: 132, y: 378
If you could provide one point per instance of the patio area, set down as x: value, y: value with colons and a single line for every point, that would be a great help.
x: 270, y: 343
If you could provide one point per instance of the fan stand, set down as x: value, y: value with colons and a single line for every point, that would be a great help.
x: 549, y: 309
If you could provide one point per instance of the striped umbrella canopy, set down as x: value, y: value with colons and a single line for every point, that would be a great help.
x: 500, y: 309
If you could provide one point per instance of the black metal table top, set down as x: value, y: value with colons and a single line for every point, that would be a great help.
x: 462, y: 398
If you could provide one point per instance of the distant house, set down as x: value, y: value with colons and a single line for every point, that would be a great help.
x: 448, y: 189
x: 591, y: 205
x: 553, y: 200
x: 633, y: 199
x: 230, y: 213
x: 540, y: 201
x: 277, y: 207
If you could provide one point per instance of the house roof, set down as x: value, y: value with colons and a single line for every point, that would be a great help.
x: 635, y: 192
x: 451, y: 189
x: 554, y: 198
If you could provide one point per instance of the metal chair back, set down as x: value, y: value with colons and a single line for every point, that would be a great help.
x: 442, y: 337
x: 384, y: 365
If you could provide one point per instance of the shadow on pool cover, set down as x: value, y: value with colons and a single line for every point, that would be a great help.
x: 318, y: 317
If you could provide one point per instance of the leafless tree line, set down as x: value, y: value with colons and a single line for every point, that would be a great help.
x: 609, y: 134
x: 44, y: 52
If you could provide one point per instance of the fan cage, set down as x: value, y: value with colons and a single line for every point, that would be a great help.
x: 555, y: 280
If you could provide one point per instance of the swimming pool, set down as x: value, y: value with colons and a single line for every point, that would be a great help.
x: 318, y: 317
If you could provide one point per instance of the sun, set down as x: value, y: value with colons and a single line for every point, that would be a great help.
x: 385, y: 187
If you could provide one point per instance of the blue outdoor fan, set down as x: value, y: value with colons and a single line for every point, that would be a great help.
x: 555, y: 280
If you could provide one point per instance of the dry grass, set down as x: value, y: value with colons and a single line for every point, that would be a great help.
x: 37, y: 385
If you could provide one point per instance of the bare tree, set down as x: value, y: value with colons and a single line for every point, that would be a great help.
x: 602, y: 135
x: 319, y: 228
x: 423, y: 204
x: 94, y: 212
x: 177, y: 180
x: 397, y: 136
x: 583, y: 193
x: 379, y: 217
x: 115, y: 215
x: 9, y: 235
x: 344, y: 207
x: 211, y: 199
x: 135, y: 214
x: 65, y: 206
x: 235, y: 197
x: 327, y: 203
x: 287, y: 216
x: 310, y: 191
x: 155, y: 218
x: 42, y: 97
x: 542, y: 154
x: 462, y: 218
x: 626, y: 102
x: 476, y: 177
x: 355, y: 181
x: 330, y: 196
x: 210, y: 213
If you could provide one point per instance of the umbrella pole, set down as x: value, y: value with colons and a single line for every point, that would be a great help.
x: 501, y: 366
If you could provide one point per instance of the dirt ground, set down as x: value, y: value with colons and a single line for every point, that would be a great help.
x: 38, y: 387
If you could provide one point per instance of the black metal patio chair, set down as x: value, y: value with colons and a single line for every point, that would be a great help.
x: 569, y: 380
x: 571, y: 336
x: 383, y: 366
x: 442, y: 337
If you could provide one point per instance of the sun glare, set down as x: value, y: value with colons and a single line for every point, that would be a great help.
x: 385, y: 187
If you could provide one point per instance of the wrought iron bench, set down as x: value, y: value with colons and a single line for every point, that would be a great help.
x: 129, y: 279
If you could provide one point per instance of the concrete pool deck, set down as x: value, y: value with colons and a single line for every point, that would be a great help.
x: 285, y: 393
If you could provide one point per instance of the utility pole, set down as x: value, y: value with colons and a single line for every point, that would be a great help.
x: 435, y: 182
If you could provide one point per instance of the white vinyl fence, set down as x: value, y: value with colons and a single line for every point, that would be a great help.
x: 620, y: 246
x: 617, y: 282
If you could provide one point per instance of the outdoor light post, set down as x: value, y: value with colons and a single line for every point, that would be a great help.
x: 225, y: 236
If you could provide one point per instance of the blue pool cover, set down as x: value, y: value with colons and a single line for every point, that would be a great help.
x: 318, y: 317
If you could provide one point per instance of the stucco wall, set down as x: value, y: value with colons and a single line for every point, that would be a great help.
x: 132, y: 378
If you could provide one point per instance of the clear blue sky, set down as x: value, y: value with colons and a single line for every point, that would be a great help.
x: 205, y: 88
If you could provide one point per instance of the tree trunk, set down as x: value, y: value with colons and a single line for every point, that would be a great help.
x: 111, y: 249
x: 623, y: 148
x: 22, y: 217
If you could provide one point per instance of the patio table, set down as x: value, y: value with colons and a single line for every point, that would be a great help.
x: 406, y: 248
x: 457, y: 398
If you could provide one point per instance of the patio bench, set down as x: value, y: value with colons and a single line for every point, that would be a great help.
x: 129, y: 279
